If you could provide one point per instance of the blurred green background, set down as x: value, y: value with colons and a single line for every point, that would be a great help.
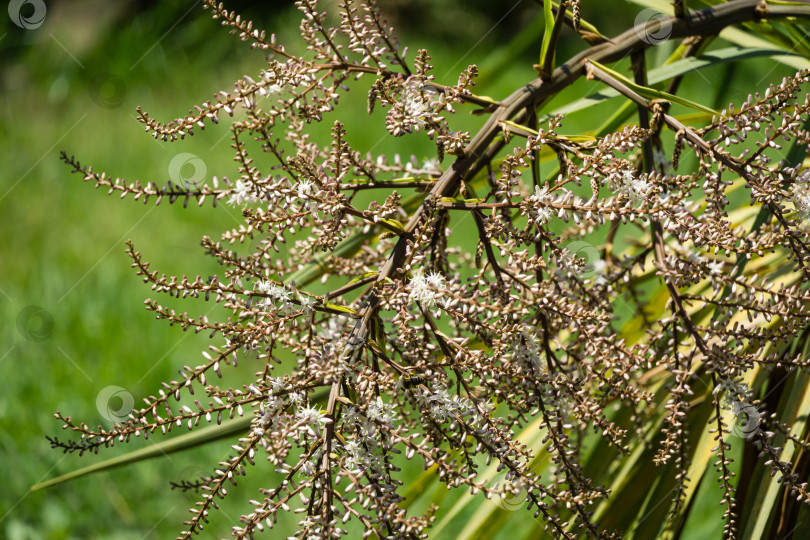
x: 72, y: 308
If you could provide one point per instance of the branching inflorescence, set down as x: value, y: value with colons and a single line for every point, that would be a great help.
x: 447, y: 355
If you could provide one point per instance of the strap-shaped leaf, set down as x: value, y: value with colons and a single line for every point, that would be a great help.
x: 343, y: 309
x: 157, y: 449
x: 394, y: 224
x: 794, y: 410
x: 652, y: 93
x: 531, y: 436
x: 364, y: 275
x: 738, y: 36
x: 678, y: 68
x: 548, y: 31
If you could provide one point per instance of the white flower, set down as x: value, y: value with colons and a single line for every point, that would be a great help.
x: 356, y: 455
x: 353, y: 463
x: 312, y: 415
x: 424, y: 289
x: 540, y: 212
x: 275, y: 403
x: 275, y: 294
x: 415, y: 108
x: 435, y: 280
x: 242, y: 193
x: 422, y: 397
x: 635, y: 189
x: 716, y: 267
x: 353, y: 447
x: 306, y: 304
x: 313, y: 419
x: 695, y: 258
x: 368, y: 431
x: 334, y: 328
x: 381, y: 412
x: 296, y: 398
x: 305, y: 188
x: 543, y: 215
x: 263, y: 287
x: 278, y: 293
x: 540, y: 195
x: 444, y: 406
x: 600, y: 268
x: 351, y: 416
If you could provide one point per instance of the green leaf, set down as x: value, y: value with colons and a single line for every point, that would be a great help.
x: 799, y: 39
x: 738, y: 36
x: 531, y: 436
x: 419, y: 486
x: 187, y: 441
x: 748, y: 39
x: 652, y: 93
x: 362, y: 276
x: 520, y: 127
x: 794, y: 411
x: 344, y: 309
x: 618, y: 118
x: 670, y: 71
x: 394, y: 224
x: 548, y: 30
x: 318, y: 266
x: 628, y: 109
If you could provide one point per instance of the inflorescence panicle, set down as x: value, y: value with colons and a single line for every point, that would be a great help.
x: 446, y: 354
